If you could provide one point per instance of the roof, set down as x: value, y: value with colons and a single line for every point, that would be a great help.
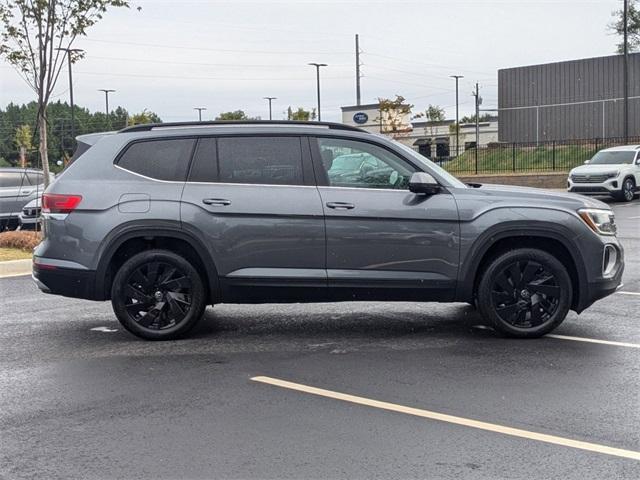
x: 239, y: 123
x: 622, y: 148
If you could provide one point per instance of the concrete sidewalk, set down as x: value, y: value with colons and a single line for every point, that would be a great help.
x: 14, y: 268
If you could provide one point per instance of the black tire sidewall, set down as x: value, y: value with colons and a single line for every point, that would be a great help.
x: 485, y: 303
x: 198, y: 300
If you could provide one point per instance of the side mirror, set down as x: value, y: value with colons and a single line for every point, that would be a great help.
x: 586, y: 162
x: 423, y: 183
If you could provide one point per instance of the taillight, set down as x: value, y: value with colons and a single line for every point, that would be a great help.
x: 59, y: 203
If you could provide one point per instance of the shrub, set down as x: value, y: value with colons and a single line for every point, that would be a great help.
x: 22, y: 240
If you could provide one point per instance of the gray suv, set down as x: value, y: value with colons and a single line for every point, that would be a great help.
x: 166, y: 219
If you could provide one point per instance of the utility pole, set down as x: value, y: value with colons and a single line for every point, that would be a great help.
x: 106, y: 101
x: 357, y: 70
x: 270, y: 99
x: 69, y: 52
x: 199, y: 109
x: 318, y: 65
x: 478, y: 101
x: 457, y: 77
x: 625, y: 62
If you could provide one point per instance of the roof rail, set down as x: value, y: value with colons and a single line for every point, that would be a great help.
x: 152, y: 126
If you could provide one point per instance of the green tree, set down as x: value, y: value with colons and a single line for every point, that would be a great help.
x: 392, y: 114
x: 32, y: 32
x: 235, y: 115
x: 143, y: 117
x: 472, y: 118
x: 633, y: 26
x: 301, y: 115
x: 24, y: 142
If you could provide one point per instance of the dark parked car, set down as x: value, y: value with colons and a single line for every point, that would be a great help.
x: 166, y: 219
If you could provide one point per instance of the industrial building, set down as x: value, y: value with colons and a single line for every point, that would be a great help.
x: 578, y: 99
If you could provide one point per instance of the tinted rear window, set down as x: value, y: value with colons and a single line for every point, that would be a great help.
x: 35, y: 178
x: 260, y: 160
x: 161, y: 159
x: 10, y: 179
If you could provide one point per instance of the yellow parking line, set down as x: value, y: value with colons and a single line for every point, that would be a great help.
x: 594, y: 340
x: 466, y: 422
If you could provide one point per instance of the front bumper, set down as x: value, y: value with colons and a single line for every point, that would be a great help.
x: 609, y: 187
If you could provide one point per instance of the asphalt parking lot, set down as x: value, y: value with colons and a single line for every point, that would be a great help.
x: 81, y: 398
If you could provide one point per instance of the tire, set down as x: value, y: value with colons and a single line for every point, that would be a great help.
x: 158, y: 295
x: 524, y: 293
x: 627, y: 191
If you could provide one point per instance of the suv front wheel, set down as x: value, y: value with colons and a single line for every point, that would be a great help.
x: 158, y: 295
x: 524, y: 293
x: 627, y: 192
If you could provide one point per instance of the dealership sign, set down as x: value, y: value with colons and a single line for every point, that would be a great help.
x: 360, y: 118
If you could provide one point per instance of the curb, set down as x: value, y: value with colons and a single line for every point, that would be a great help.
x: 15, y: 268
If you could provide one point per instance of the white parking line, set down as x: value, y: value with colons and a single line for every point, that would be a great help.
x: 466, y: 422
x: 629, y: 293
x: 593, y: 340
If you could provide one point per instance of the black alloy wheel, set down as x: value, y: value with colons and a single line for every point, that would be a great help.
x: 524, y: 292
x: 158, y: 295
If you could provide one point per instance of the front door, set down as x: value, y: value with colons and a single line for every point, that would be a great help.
x: 383, y: 242
x: 254, y: 201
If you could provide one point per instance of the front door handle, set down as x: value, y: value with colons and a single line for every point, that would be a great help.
x: 341, y: 205
x: 216, y: 202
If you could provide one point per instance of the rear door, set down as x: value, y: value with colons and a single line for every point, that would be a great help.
x: 15, y: 192
x: 254, y: 201
x: 382, y: 240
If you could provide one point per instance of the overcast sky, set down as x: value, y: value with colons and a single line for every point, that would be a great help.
x: 225, y: 55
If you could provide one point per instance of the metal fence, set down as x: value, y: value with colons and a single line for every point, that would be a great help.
x: 529, y: 157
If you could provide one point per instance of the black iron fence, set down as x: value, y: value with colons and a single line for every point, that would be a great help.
x: 529, y: 157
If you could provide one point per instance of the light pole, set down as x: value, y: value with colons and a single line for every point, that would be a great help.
x: 199, y: 109
x: 318, y: 65
x: 270, y: 99
x: 106, y: 101
x: 457, y: 77
x: 625, y: 69
x: 68, y: 53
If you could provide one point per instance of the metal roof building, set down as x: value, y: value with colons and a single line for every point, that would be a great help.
x: 577, y: 99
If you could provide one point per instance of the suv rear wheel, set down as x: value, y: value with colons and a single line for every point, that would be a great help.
x: 158, y: 295
x: 525, y: 293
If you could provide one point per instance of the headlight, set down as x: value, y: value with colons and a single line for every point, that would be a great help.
x: 613, y: 174
x: 600, y: 221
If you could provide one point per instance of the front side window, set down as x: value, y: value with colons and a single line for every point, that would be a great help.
x: 11, y: 179
x: 350, y: 163
x: 260, y: 160
x: 166, y: 159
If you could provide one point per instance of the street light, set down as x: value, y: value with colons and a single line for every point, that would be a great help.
x: 199, y: 109
x: 457, y: 77
x: 106, y: 101
x: 270, y: 99
x: 69, y: 52
x: 318, y: 65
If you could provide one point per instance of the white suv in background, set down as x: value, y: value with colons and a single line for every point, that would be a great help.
x: 612, y: 171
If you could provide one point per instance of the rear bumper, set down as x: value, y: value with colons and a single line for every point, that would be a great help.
x: 69, y: 282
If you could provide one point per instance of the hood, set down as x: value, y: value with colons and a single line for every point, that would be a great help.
x: 535, y: 197
x: 595, y: 169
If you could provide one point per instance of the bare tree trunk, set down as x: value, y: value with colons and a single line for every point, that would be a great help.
x: 44, y: 156
x: 23, y: 157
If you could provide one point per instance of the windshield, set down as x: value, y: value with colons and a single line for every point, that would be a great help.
x: 613, y: 157
x: 432, y: 166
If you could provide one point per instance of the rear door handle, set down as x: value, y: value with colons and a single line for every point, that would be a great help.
x: 216, y: 202
x: 341, y: 205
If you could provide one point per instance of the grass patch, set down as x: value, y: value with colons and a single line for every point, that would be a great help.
x: 505, y: 158
x: 20, y: 240
x: 13, y: 254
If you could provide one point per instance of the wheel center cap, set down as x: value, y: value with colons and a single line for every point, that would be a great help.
x: 525, y: 294
x: 158, y: 296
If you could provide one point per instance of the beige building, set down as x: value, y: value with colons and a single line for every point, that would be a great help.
x: 436, y: 140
